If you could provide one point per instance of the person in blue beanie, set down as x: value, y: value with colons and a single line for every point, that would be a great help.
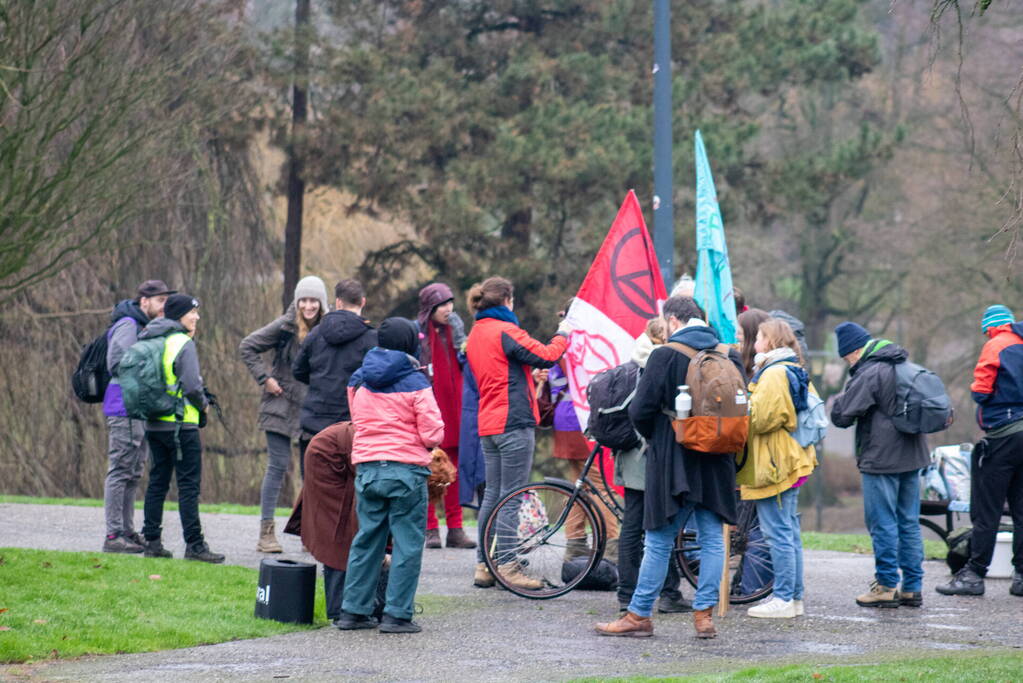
x: 889, y: 462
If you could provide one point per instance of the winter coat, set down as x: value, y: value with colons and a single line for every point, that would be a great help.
x: 395, y: 414
x: 867, y: 400
x: 324, y: 514
x: 447, y: 389
x: 677, y: 476
x: 998, y: 378
x: 127, y: 320
x: 186, y: 367
x: 276, y: 413
x: 500, y: 354
x: 332, y: 351
x: 775, y: 461
x: 472, y: 469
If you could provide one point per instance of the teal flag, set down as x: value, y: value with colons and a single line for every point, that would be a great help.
x: 714, y: 290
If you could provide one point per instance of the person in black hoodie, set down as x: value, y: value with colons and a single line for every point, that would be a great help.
x: 889, y: 462
x: 331, y: 353
x: 680, y: 483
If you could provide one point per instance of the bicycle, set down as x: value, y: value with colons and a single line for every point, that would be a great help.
x: 525, y: 533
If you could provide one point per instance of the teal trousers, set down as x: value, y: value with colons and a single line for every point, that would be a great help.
x: 390, y: 501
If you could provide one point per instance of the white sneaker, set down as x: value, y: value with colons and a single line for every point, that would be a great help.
x: 798, y: 604
x: 775, y: 608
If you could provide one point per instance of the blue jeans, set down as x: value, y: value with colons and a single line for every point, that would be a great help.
x: 657, y: 553
x: 779, y: 523
x: 891, y: 506
x: 509, y: 459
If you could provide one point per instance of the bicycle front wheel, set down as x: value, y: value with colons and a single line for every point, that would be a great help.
x: 750, y: 572
x: 539, y: 542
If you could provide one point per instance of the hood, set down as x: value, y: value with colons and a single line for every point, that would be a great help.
x: 1018, y: 328
x: 795, y: 323
x: 644, y: 347
x: 129, y: 309
x: 161, y: 327
x: 890, y: 352
x: 430, y: 297
x: 341, y: 327
x: 1015, y: 328
x: 698, y: 337
x: 382, y: 368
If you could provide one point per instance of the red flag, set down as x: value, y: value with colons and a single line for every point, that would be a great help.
x: 621, y: 292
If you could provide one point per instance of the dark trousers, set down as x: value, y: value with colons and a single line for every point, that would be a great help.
x: 630, y: 553
x: 997, y: 471
x: 164, y: 463
x: 333, y: 591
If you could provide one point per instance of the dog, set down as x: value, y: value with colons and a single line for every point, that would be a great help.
x: 442, y: 474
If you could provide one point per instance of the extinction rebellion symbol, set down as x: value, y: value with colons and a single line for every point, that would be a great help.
x: 635, y: 288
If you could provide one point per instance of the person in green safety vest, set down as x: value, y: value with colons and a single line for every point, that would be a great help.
x: 174, y: 439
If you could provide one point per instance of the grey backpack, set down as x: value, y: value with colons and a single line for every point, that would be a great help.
x: 922, y: 405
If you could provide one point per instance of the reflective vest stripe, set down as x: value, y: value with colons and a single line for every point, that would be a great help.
x: 171, y: 348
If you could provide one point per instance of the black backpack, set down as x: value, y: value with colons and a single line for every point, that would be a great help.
x: 602, y: 577
x: 922, y: 405
x: 609, y: 395
x: 90, y: 378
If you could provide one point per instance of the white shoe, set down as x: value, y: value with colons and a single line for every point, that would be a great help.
x: 798, y: 604
x: 775, y: 608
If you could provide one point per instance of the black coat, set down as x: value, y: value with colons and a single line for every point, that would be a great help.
x: 867, y: 400
x: 332, y: 351
x: 676, y: 476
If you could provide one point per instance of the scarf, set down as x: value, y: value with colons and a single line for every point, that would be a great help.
x: 799, y: 380
x: 447, y: 380
x: 499, y: 313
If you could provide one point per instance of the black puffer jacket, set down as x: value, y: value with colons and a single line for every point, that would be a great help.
x: 867, y: 400
x: 325, y: 361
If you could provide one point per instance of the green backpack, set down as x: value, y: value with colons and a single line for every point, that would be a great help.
x: 143, y: 385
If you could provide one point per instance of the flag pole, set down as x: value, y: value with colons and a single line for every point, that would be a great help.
x: 664, y: 228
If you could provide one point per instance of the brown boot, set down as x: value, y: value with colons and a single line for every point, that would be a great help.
x: 629, y: 626
x: 457, y: 538
x: 267, y: 540
x: 482, y: 577
x: 512, y: 573
x: 433, y: 538
x: 704, y: 624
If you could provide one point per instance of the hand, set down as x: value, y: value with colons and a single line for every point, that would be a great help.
x: 203, y: 419
x: 539, y: 375
x: 273, y: 387
x: 566, y: 328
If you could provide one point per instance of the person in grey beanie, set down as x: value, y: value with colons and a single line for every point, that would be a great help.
x: 282, y: 395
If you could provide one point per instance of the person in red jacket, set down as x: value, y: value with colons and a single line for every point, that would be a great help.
x: 441, y: 336
x: 500, y: 355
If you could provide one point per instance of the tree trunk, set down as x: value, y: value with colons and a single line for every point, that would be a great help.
x: 296, y: 186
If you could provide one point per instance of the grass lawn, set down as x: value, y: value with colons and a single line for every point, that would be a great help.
x: 212, y: 508
x: 860, y: 543
x: 63, y: 604
x: 961, y: 668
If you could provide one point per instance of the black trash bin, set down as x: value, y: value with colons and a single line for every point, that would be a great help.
x: 286, y: 591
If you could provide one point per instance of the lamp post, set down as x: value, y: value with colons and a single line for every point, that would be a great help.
x: 664, y: 228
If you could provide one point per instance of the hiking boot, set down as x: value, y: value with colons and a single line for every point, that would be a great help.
x: 154, y: 548
x: 136, y: 537
x: 798, y: 606
x: 119, y: 543
x: 674, y: 605
x: 433, y: 538
x: 879, y: 596
x: 457, y: 538
x: 353, y: 622
x: 911, y: 598
x: 775, y: 608
x: 630, y: 626
x: 576, y: 547
x: 964, y: 582
x: 482, y: 578
x: 1017, y: 584
x: 389, y: 624
x: 704, y: 624
x: 201, y: 552
x: 512, y: 574
x: 267, y: 539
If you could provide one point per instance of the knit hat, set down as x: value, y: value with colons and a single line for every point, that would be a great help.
x: 178, y: 305
x: 430, y: 297
x: 996, y: 316
x: 851, y: 337
x: 154, y: 288
x: 398, y: 334
x: 312, y: 287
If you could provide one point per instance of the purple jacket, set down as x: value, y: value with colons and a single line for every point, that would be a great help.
x: 127, y: 320
x: 565, y: 419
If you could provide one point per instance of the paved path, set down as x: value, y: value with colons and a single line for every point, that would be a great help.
x: 490, y: 635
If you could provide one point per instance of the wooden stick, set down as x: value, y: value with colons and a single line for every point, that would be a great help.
x: 723, y: 592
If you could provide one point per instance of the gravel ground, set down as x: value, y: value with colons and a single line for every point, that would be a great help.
x: 490, y: 635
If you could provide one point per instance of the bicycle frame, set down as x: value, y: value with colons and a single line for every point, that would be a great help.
x: 583, y: 488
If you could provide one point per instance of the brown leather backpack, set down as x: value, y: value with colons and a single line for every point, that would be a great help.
x: 719, y: 419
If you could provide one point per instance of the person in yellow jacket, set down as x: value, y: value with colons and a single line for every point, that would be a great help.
x: 776, y: 465
x: 174, y: 444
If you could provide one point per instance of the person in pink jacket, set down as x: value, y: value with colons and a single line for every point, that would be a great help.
x: 397, y: 424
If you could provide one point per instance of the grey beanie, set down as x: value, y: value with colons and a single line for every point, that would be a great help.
x: 312, y: 287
